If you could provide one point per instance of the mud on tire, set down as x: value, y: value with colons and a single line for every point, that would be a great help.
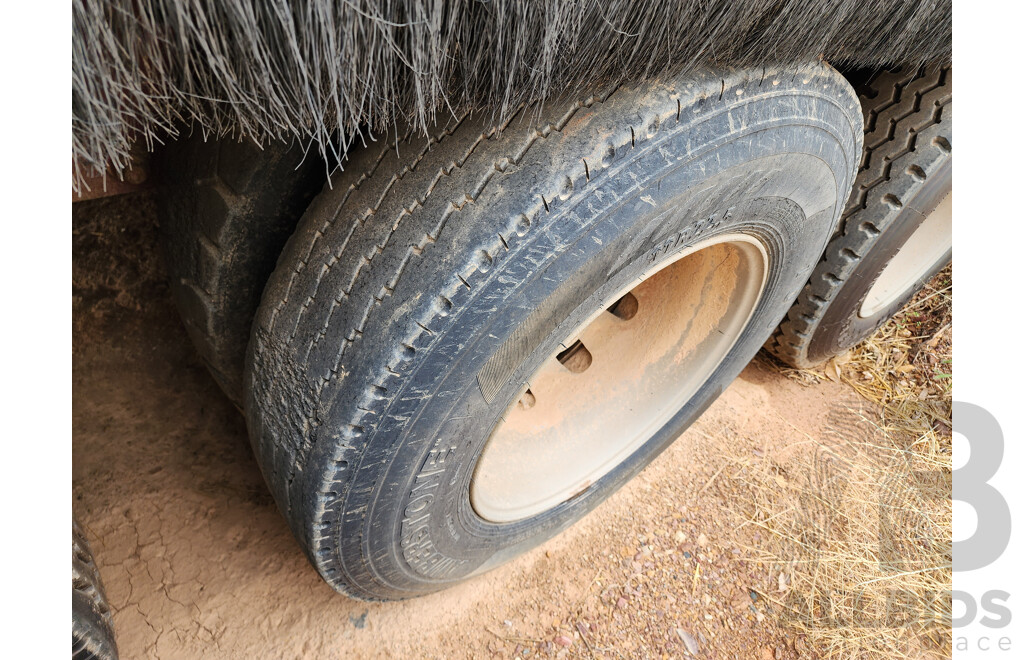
x: 416, y: 298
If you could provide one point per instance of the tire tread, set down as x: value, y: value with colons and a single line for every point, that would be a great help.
x: 907, y: 116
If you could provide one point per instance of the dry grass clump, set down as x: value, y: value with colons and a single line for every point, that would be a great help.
x: 858, y: 523
x: 909, y: 358
x: 858, y: 537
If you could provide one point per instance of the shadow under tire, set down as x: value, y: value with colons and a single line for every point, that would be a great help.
x: 896, y: 231
x: 92, y: 628
x: 418, y: 298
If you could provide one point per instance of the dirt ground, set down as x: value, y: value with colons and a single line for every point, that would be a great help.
x: 198, y: 562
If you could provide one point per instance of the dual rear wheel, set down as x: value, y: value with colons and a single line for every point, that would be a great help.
x: 897, y: 230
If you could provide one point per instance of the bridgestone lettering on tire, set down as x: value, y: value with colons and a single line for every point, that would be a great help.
x: 903, y: 189
x: 417, y: 297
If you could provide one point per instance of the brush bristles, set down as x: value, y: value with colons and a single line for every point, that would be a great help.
x: 313, y: 70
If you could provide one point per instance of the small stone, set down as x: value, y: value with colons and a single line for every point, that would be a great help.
x: 621, y: 603
x: 702, y: 539
x: 688, y: 641
x: 563, y: 641
x: 680, y: 537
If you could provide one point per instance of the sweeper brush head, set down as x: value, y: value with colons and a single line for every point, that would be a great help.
x: 327, y: 72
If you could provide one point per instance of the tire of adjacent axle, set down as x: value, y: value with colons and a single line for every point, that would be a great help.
x: 417, y: 295
x: 92, y: 628
x: 227, y: 209
x: 905, y: 171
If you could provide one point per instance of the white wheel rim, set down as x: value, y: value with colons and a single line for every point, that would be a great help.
x: 691, y: 311
x: 932, y: 239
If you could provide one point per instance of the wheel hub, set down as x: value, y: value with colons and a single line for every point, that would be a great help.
x: 619, y: 378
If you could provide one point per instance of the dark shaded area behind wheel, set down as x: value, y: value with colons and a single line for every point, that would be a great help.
x: 226, y: 210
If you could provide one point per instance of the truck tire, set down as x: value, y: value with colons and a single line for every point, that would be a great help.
x: 226, y: 212
x: 618, y: 259
x: 92, y: 628
x: 896, y: 231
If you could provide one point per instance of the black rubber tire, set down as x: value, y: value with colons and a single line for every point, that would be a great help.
x: 227, y: 209
x: 366, y: 375
x: 92, y: 627
x: 906, y: 170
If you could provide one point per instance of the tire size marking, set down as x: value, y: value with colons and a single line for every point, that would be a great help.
x: 687, y: 234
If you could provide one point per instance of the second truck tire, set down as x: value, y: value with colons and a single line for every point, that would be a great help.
x: 896, y: 232
x: 92, y: 627
x: 475, y: 338
x: 226, y: 211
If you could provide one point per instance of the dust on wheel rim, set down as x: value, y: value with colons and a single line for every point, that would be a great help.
x: 932, y: 239
x: 619, y: 378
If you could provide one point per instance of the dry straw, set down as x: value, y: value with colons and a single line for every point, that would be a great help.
x: 858, y: 526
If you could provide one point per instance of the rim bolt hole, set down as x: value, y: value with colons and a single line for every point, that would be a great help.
x: 625, y: 307
x: 576, y: 358
x: 527, y: 401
